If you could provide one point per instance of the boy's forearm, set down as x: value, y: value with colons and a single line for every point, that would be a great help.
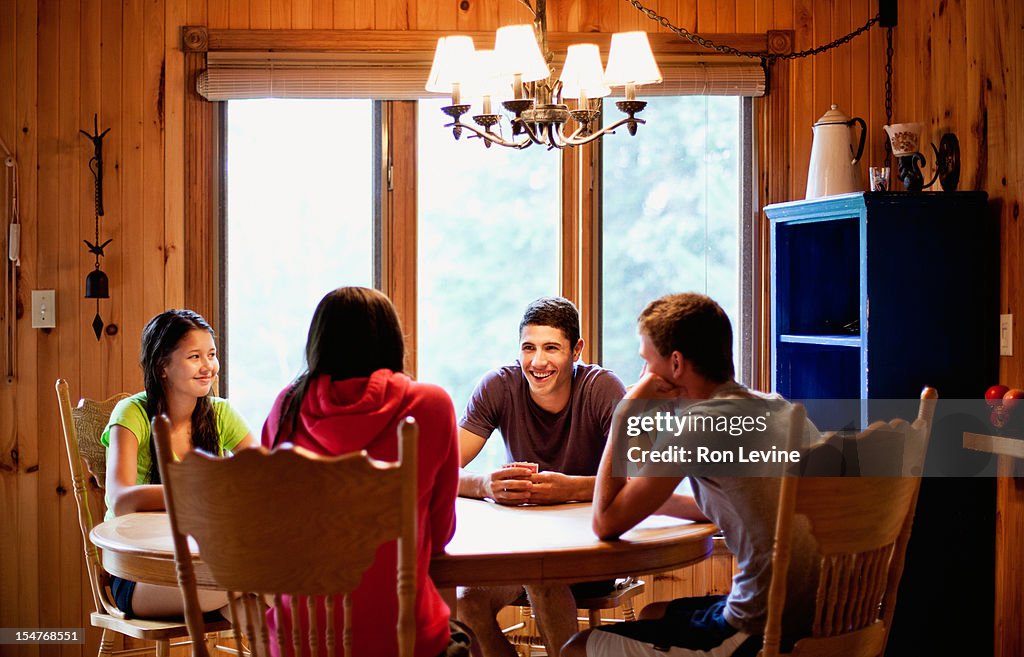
x: 682, y: 506
x: 583, y: 488
x: 471, y: 485
x: 606, y: 489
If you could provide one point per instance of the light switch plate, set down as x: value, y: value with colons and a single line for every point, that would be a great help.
x: 44, y: 309
x: 1006, y: 335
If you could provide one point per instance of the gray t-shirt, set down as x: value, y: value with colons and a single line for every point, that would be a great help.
x: 570, y: 441
x: 745, y: 509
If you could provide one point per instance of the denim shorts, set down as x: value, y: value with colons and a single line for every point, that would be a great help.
x: 123, y: 590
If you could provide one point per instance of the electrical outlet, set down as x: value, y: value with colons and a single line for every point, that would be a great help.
x: 44, y: 309
x: 1006, y: 335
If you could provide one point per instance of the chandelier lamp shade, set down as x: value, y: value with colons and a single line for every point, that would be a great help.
x: 517, y: 74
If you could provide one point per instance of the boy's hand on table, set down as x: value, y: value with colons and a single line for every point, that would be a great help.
x: 509, y: 485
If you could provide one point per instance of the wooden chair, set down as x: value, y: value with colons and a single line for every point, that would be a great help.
x: 862, y: 526
x: 526, y: 637
x: 83, y: 427
x: 292, y: 523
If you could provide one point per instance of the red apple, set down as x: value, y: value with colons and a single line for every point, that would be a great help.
x: 1012, y: 397
x: 994, y: 395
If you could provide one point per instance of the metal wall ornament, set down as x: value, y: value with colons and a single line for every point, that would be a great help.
x: 97, y: 285
x: 905, y: 139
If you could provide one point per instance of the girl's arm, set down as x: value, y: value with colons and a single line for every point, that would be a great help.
x: 122, y: 466
x: 245, y: 443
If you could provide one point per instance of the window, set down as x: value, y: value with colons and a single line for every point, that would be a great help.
x: 300, y: 222
x: 488, y: 244
x: 670, y: 217
x: 302, y: 202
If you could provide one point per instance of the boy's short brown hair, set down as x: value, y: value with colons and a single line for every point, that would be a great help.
x: 695, y: 326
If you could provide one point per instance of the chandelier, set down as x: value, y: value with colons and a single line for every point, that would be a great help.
x: 518, y: 69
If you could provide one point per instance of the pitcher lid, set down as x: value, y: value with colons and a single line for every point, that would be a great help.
x: 834, y: 115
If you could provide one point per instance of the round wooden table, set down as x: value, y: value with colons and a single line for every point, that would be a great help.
x: 493, y: 545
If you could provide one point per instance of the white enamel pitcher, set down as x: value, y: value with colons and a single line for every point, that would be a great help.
x: 833, y: 168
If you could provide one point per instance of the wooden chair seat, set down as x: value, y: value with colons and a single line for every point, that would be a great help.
x: 151, y: 630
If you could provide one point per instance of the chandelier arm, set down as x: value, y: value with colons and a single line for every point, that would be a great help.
x: 555, y: 137
x: 582, y: 136
x: 563, y: 138
x: 622, y: 122
x: 573, y: 140
x: 490, y: 136
x: 534, y: 138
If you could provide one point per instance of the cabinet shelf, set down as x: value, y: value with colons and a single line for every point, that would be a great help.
x: 825, y: 340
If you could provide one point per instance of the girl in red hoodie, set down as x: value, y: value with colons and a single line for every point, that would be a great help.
x: 351, y: 397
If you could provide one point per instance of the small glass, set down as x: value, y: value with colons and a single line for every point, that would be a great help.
x: 879, y: 178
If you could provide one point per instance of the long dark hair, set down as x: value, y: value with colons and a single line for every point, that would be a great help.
x: 355, y: 332
x: 159, y: 340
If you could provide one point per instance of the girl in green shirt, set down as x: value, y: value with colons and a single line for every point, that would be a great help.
x: 179, y: 365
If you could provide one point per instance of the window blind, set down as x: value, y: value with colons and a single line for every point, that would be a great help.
x: 391, y: 76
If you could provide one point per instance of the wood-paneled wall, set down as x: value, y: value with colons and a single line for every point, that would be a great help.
x: 957, y: 67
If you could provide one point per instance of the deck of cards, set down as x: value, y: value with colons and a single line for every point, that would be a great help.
x: 532, y: 467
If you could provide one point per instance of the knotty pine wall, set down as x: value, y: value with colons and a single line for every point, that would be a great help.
x: 957, y: 68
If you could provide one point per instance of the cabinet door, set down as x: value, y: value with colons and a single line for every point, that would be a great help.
x: 932, y: 297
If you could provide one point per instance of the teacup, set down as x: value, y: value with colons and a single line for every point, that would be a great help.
x: 905, y: 138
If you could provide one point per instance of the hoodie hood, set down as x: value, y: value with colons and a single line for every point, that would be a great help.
x: 353, y: 414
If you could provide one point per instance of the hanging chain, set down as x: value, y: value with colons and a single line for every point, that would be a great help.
x: 97, y: 241
x: 888, y: 92
x: 729, y: 50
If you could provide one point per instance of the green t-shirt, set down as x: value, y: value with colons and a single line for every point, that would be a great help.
x: 130, y: 413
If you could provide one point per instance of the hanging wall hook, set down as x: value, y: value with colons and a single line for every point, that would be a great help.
x: 97, y: 285
x: 96, y: 163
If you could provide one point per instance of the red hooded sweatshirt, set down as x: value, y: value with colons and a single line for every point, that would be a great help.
x: 344, y: 416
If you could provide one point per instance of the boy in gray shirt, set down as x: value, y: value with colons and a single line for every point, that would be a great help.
x: 686, y: 343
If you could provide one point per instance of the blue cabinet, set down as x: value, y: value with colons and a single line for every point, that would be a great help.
x: 874, y: 296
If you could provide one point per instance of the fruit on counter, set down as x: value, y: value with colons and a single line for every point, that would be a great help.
x: 994, y: 395
x: 1002, y: 399
x: 1012, y: 397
